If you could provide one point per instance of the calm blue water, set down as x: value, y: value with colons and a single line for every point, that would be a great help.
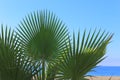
x: 106, y: 71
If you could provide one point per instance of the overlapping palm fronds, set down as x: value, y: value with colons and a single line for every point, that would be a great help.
x: 13, y: 64
x: 42, y: 49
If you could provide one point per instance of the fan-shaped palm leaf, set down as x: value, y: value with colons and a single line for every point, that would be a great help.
x: 13, y: 64
x: 83, y: 55
x: 42, y: 36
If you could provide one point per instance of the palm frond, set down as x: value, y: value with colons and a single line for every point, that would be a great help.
x: 42, y: 37
x: 81, y: 57
x: 14, y: 65
x: 42, y: 34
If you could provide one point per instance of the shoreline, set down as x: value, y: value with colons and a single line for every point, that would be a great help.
x: 104, y: 78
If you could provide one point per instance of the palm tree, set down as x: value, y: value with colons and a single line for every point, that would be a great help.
x: 42, y: 49
x: 13, y: 64
x: 45, y: 38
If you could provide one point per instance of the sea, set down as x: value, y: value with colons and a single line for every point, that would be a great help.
x: 105, y: 71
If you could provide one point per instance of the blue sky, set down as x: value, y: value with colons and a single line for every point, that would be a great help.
x: 77, y: 14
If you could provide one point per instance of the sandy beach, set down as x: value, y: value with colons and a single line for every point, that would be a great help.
x: 104, y: 78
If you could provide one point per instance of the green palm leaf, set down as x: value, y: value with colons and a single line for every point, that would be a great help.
x: 42, y: 34
x: 14, y: 65
x: 42, y: 37
x: 81, y: 56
